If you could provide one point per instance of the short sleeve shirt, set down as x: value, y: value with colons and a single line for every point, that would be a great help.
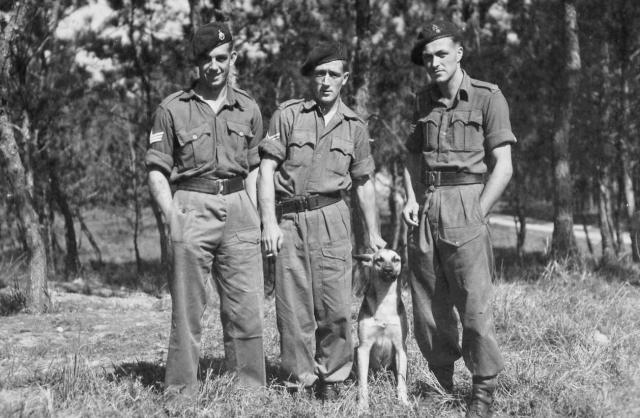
x: 314, y: 158
x: 459, y: 137
x: 189, y: 139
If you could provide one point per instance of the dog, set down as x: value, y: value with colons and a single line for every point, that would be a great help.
x: 382, y: 324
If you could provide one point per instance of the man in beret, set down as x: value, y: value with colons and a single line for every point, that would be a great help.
x: 204, y: 143
x: 315, y: 150
x: 461, y: 137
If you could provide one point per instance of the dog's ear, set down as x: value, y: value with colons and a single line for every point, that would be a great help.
x: 364, y: 259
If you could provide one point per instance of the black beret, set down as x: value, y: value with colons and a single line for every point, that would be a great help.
x: 208, y: 37
x: 322, y: 53
x: 435, y: 30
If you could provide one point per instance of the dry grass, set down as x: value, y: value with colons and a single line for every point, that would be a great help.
x: 570, y: 337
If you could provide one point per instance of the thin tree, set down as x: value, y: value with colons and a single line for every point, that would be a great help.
x: 563, y: 240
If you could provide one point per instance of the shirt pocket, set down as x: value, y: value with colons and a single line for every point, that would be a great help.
x: 429, y: 127
x: 197, y: 147
x: 340, y: 155
x: 300, y: 148
x: 240, y: 136
x: 467, y: 130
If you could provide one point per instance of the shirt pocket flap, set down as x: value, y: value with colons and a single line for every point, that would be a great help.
x: 301, y: 138
x: 239, y: 129
x: 475, y: 116
x: 431, y: 118
x: 336, y: 253
x: 186, y: 136
x: 343, y: 145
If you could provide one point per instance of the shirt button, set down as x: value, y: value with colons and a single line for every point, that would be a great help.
x: 194, y: 136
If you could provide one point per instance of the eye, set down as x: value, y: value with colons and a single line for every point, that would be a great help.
x: 396, y: 259
x: 379, y: 260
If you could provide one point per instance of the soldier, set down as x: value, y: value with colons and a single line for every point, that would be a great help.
x: 204, y: 141
x: 458, y: 124
x: 314, y: 150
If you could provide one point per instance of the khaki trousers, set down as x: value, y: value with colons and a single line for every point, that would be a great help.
x: 219, y: 232
x: 452, y: 261
x: 313, y: 295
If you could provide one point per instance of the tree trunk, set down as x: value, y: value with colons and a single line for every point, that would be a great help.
x: 90, y: 237
x: 564, y: 242
x: 37, y: 293
x: 72, y: 260
x: 604, y: 183
x: 137, y: 215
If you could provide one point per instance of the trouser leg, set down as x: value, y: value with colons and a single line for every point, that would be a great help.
x: 467, y: 259
x: 191, y: 269
x: 294, y: 305
x: 331, y: 273
x: 435, y: 322
x: 239, y: 281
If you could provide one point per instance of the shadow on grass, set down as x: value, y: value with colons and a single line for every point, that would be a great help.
x: 151, y: 375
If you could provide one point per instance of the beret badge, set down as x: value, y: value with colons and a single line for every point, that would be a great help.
x: 220, y: 35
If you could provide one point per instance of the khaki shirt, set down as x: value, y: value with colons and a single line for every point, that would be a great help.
x: 459, y: 137
x: 189, y: 139
x: 314, y: 158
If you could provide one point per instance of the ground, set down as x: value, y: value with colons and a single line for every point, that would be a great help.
x: 570, y: 337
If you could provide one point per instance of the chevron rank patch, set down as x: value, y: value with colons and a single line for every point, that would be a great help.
x: 155, y: 137
x: 273, y: 137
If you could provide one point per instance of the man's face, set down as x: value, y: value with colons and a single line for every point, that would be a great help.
x: 441, y: 58
x: 214, y: 68
x: 328, y: 81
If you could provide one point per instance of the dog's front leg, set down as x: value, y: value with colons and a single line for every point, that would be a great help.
x: 364, y: 350
x: 401, y: 377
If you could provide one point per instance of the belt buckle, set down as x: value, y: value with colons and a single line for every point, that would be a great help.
x: 433, y: 178
x: 301, y: 204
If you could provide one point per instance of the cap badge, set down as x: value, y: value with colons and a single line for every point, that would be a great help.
x: 435, y: 28
x: 220, y: 35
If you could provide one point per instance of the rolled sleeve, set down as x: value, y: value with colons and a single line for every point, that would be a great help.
x: 497, y: 125
x: 273, y: 144
x: 362, y: 163
x: 160, y: 143
x: 253, y: 154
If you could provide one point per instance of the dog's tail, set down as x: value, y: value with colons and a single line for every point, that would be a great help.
x: 382, y: 354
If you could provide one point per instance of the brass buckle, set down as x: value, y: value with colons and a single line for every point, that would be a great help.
x: 433, y: 178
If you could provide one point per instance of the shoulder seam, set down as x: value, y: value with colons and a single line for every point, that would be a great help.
x: 290, y: 102
x: 171, y: 98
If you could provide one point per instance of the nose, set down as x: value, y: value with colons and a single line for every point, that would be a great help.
x: 325, y: 79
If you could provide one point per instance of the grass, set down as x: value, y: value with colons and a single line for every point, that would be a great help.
x: 570, y: 336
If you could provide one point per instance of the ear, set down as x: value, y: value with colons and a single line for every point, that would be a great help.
x: 459, y: 53
x: 233, y: 57
x: 364, y: 259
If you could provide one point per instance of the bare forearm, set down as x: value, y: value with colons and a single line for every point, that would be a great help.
x: 160, y: 191
x: 412, y: 176
x: 367, y: 201
x: 498, y: 180
x: 266, y: 193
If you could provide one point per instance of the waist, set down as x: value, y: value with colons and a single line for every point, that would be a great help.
x: 212, y: 186
x: 301, y: 203
x: 450, y: 178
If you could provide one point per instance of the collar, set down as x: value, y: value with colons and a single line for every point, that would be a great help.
x: 230, y: 101
x: 343, y: 109
x: 464, y: 92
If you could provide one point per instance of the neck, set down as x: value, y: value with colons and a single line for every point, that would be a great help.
x: 450, y: 88
x: 207, y: 92
x: 328, y: 107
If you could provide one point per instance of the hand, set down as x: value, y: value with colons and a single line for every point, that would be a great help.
x: 410, y: 213
x: 376, y: 242
x: 271, y: 238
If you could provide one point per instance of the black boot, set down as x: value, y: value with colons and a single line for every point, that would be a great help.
x: 481, y: 397
x: 444, y: 375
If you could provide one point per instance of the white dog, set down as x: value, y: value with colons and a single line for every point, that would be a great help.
x: 382, y: 324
